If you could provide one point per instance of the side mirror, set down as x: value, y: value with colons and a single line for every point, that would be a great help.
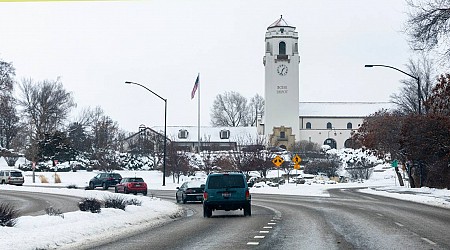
x: 178, y: 187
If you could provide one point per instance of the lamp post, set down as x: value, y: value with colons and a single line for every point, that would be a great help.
x: 419, y: 94
x: 165, y: 126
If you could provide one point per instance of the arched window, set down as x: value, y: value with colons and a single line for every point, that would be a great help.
x: 183, y: 134
x: 349, y: 125
x: 224, y: 134
x: 330, y: 142
x: 329, y: 125
x: 308, y: 125
x: 282, y: 48
x: 349, y: 143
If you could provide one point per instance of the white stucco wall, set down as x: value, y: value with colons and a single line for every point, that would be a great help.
x: 319, y: 132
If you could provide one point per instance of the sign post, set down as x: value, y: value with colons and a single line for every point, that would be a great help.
x: 297, y: 161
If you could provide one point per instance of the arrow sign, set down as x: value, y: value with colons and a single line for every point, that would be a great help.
x: 297, y: 159
x: 277, y: 161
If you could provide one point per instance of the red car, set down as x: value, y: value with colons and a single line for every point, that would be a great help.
x: 132, y: 185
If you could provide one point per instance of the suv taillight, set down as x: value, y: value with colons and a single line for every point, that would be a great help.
x: 205, y: 196
x: 247, y: 195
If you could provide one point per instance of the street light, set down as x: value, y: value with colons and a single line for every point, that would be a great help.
x: 165, y: 126
x: 419, y: 95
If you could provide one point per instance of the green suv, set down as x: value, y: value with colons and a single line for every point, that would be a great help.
x: 226, y: 191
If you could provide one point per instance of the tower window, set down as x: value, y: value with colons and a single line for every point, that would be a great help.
x: 224, y: 134
x: 349, y: 125
x: 282, y: 48
x: 329, y: 125
x: 296, y: 48
x: 308, y: 125
x: 282, y: 134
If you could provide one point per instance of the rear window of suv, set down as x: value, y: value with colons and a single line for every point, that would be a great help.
x: 16, y: 174
x: 226, y: 181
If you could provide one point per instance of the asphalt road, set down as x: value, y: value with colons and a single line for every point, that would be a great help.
x: 346, y: 220
x: 28, y: 203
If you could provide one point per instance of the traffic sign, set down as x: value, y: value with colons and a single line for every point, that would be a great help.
x: 297, y: 166
x: 394, y: 163
x: 296, y: 159
x: 277, y: 161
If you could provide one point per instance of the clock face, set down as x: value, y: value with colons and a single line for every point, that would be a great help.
x: 282, y: 69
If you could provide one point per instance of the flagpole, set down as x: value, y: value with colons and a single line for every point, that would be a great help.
x: 198, y: 146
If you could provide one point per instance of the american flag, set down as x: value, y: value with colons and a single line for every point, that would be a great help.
x: 197, y: 82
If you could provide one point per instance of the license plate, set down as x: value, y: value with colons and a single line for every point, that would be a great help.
x: 226, y: 195
x: 138, y: 185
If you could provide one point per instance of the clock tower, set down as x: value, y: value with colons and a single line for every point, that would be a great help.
x: 281, y: 62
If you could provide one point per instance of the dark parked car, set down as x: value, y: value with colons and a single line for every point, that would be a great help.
x: 190, y: 191
x: 105, y: 180
x: 226, y: 191
x: 131, y: 185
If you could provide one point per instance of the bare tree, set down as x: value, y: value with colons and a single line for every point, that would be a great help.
x: 8, y: 114
x: 229, y: 109
x: 256, y: 109
x: 407, y: 100
x: 429, y: 25
x: 9, y: 121
x: 46, y: 104
x: 7, y: 73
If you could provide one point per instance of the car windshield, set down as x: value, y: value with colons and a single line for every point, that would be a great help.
x: 194, y: 184
x: 16, y: 174
x: 226, y: 181
x: 116, y: 176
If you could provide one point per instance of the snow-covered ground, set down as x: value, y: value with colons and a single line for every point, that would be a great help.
x: 46, y: 231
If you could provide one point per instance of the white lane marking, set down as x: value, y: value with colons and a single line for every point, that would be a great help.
x: 380, y: 215
x: 429, y: 241
x: 263, y: 232
x: 398, y: 224
x: 267, y: 227
x: 253, y: 243
x: 271, y: 223
x: 260, y: 237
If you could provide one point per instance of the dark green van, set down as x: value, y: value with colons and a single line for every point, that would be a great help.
x: 226, y: 191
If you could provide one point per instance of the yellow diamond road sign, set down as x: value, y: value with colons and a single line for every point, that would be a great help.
x: 277, y: 161
x: 297, y: 159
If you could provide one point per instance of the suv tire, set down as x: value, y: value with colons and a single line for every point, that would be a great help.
x: 105, y: 186
x: 91, y: 185
x: 248, y: 210
x: 207, y: 212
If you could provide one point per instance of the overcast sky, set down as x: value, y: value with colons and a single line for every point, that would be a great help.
x: 96, y: 46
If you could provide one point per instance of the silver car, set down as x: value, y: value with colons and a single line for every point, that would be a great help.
x: 14, y: 177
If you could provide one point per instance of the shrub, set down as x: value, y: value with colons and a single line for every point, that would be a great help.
x: 90, y: 204
x: 8, y: 215
x: 43, y: 179
x: 134, y: 202
x: 72, y: 186
x: 54, y: 212
x: 57, y: 178
x: 116, y: 201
